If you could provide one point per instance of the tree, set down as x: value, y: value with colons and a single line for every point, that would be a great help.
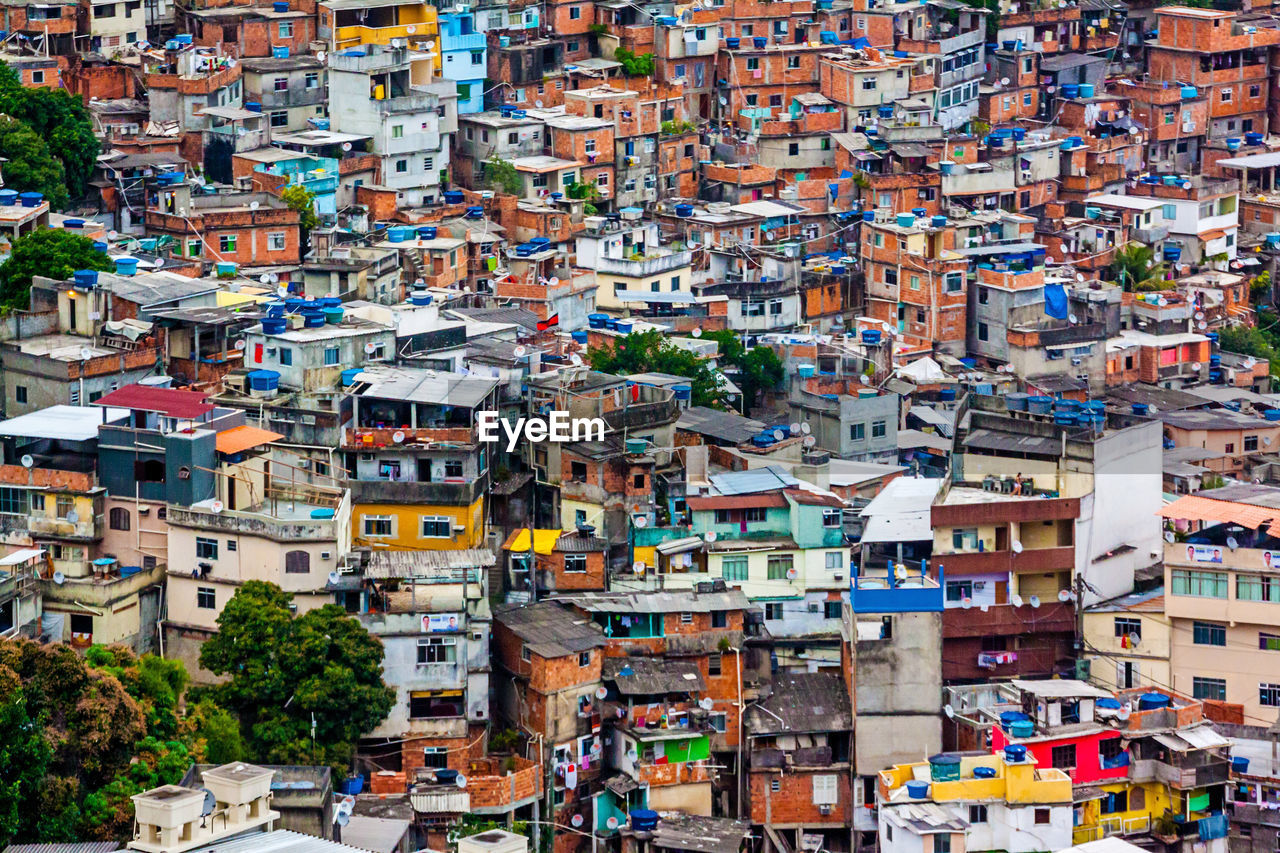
x: 634, y: 64
x: 108, y: 811
x: 1247, y: 340
x: 305, y: 687
x: 216, y: 733
x: 502, y: 176
x: 154, y: 683
x: 760, y: 368
x: 62, y: 121
x: 1136, y: 268
x: 650, y: 352
x: 301, y: 199
x: 29, y: 167
x: 24, y: 758
x: 54, y: 253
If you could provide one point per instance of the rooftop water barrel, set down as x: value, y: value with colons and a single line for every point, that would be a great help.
x: 870, y: 337
x: 475, y: 211
x: 644, y: 820
x: 946, y: 166
x: 906, y: 220
x: 8, y: 198
x: 30, y: 199
x: 920, y: 212
x: 917, y: 790
x: 1016, y: 402
x: 1170, y: 180
x: 870, y: 216
x: 1239, y: 764
x: 1093, y: 407
x: 1039, y: 405
x: 349, y: 375
x: 867, y: 393
x: 984, y: 773
x: 1070, y: 90
x: 1086, y: 90
x: 611, y: 323
x: 101, y: 245
x: 264, y: 380
x: 126, y: 266
x: 944, y: 767
x: 597, y: 321
x: 253, y: 106
x: 968, y: 362
x: 85, y: 278
x: 1015, y: 752
x: 1215, y: 359
x: 333, y: 316
x: 764, y: 439
x: 1233, y: 143
x: 1189, y: 92
x: 73, y: 223
x: 806, y: 371
x: 683, y: 392
x: 995, y: 141
x: 1253, y: 138
x: 938, y: 221
x: 1019, y: 133
x: 1172, y: 253
x: 731, y: 43
x: 294, y: 304
x: 399, y: 233
x: 684, y: 211
x: 623, y: 326
x: 1065, y: 418
x: 427, y: 232
x: 1273, y: 239
x: 280, y: 5
x: 453, y: 196
x: 946, y: 394
x: 1092, y: 212
x: 540, y: 242
x: 885, y: 111
x: 1213, y: 338
x: 504, y: 41
x: 1271, y: 414
x: 129, y: 571
x: 280, y: 52
x: 274, y: 325
x: 1108, y: 704
x: 636, y: 446
x: 1010, y: 44
x: 1007, y: 717
x: 322, y: 512
x: 1141, y: 408
x: 1022, y: 728
x: 759, y: 42
x: 420, y: 297
x: 1149, y: 701
x: 579, y: 337
x: 225, y: 267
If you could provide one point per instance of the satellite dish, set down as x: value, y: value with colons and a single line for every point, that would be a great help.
x: 612, y: 823
x: 73, y: 517
x: 346, y: 146
x: 397, y: 437
x: 1232, y: 543
x: 1004, y: 81
x: 1169, y: 537
x: 370, y: 349
x: 792, y: 574
x: 697, y: 333
x: 264, y: 278
x: 641, y: 522
x: 113, y: 234
x: 210, y: 803
x: 1199, y: 315
x: 710, y: 536
x: 706, y: 703
x: 966, y: 602
x: 158, y: 263
x: 809, y: 441
x: 538, y: 103
x: 1134, y: 639
x: 85, y: 353
x: 575, y: 359
x: 519, y: 352
x: 239, y: 345
x: 1266, y: 439
x: 601, y: 693
x: 59, y: 578
x: 253, y: 205
x: 461, y: 781
x: 1079, y: 276
x: 632, y: 754
x: 28, y: 460
x: 1202, y: 325
x: 864, y: 379
x: 1016, y: 546
x: 216, y: 506
x: 1195, y: 365
x: 778, y: 435
x: 638, y: 567
x: 576, y: 820
x: 1064, y: 595
x: 282, y: 291
x: 1072, y: 319
x: 949, y: 711
x: 334, y: 577
x: 320, y: 55
x: 1125, y: 711
x: 795, y: 427
x: 1034, y: 601
x: 1015, y: 600
x: 806, y: 429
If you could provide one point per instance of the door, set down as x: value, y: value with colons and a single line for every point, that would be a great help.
x: 424, y: 470
x: 1002, y: 538
x: 1126, y: 674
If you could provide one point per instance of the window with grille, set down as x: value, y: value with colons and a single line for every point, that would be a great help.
x: 733, y: 568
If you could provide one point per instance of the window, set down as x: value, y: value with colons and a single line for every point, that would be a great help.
x: 576, y: 563
x: 835, y: 559
x: 963, y: 538
x: 1199, y: 584
x: 1269, y: 695
x: 453, y: 467
x: 1268, y: 642
x: 436, y: 526
x: 297, y: 563
x: 719, y: 619
x: 13, y: 501
x: 20, y: 393
x: 1110, y: 748
x: 280, y: 84
x: 942, y: 843
x: 119, y: 518
x: 754, y: 513
x: 1116, y: 801
x: 1226, y: 96
x: 714, y: 666
x: 1043, y: 815
x: 525, y: 654
x: 206, y: 549
x: 575, y: 12
x: 275, y: 242
x: 793, y: 62
x: 877, y: 429
x: 977, y: 814
x: 793, y: 148
x: 231, y: 545
x: 1127, y: 626
x: 37, y: 77
x: 1209, y: 688
x: 733, y: 568
x: 377, y: 525
x: 1208, y: 634
x: 773, y: 610
x: 286, y: 29
x: 286, y: 356
x: 226, y: 242
x: 775, y: 785
x: 1254, y: 91
x: 330, y: 356
x: 857, y: 432
x: 435, y: 757
x: 402, y: 166
x: 959, y: 590
x: 753, y: 63
x: 984, y: 332
x: 437, y: 650
x: 686, y: 618
x: 206, y: 598
x: 778, y: 566
x: 425, y: 704
x: 312, y: 80
x: 477, y: 57
x: 954, y: 282
x: 1063, y: 758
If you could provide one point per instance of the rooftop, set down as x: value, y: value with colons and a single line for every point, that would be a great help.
x: 551, y: 629
x: 170, y: 402
x: 419, y: 385
x: 645, y: 676
x: 802, y: 702
x: 65, y: 423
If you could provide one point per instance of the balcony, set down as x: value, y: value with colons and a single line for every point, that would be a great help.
x: 1151, y: 235
x: 469, y: 41
x: 882, y: 594
x: 368, y: 438
x: 402, y: 492
x: 285, y: 515
x: 1213, y: 771
x: 1007, y: 620
x: 61, y: 528
x: 642, y: 415
x: 1029, y: 560
x: 500, y: 785
x: 347, y: 37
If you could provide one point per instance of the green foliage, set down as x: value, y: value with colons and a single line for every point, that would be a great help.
x: 24, y: 758
x: 1260, y: 287
x: 216, y: 733
x: 154, y: 683
x: 108, y: 811
x: 586, y: 191
x: 650, y: 352
x: 1212, y: 481
x: 61, y: 120
x: 289, y: 674
x: 634, y: 64
x: 675, y: 128
x: 303, y: 200
x: 1136, y: 268
x: 504, y: 740
x: 1259, y: 342
x: 29, y: 166
x: 55, y: 253
x: 758, y: 368
x: 597, y: 29
x: 502, y: 176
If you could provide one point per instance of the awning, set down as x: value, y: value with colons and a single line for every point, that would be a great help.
x: 544, y: 541
x: 1172, y: 741
x: 242, y: 438
x: 680, y: 546
x: 1086, y: 793
x: 1215, y: 234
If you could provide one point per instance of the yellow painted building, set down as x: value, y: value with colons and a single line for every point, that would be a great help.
x: 352, y: 23
x: 1127, y: 641
x: 419, y: 527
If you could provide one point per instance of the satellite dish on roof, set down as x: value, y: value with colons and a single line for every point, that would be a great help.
x: 778, y: 435
x: 966, y: 602
x: 1072, y: 319
x: 1266, y: 440
x: 706, y: 703
x: 59, y: 578
x: 397, y: 437
x: 461, y: 781
x: 282, y: 291
x: 538, y: 103
x: 253, y: 205
x: 697, y: 333
x: 210, y: 803
x: 370, y: 349
x: 1195, y: 366
x: 28, y: 460
x: 949, y: 711
x: 1124, y: 713
x: 1064, y: 595
x: 864, y: 378
x: 710, y: 536
x: 239, y: 345
x: 264, y: 278
x: 411, y: 29
x: 1004, y: 81
x: 1015, y: 600
x: 216, y: 507
x: 85, y: 353
x: 1079, y: 276
x: 805, y: 428
x: 158, y: 263
x: 519, y: 352
x: 575, y: 359
x: 1199, y: 315
x: 795, y: 427
x: 112, y: 234
x: 1034, y: 601
x: 346, y: 146
x: 809, y: 441
x: 1202, y: 325
x: 334, y: 577
x: 612, y: 822
x: 601, y: 693
x: 640, y: 521
x: 638, y: 567
x: 320, y: 55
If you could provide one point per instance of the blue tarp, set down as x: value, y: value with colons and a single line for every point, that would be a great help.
x: 1055, y: 301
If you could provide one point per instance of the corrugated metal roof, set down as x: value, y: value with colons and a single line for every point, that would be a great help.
x: 681, y: 601
x: 551, y: 629
x: 652, y: 676
x: 70, y: 847
x: 280, y: 841
x: 756, y: 480
x: 763, y: 499
x: 427, y: 564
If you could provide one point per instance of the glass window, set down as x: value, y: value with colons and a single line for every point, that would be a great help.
x: 206, y: 549
x: 1269, y: 695
x: 779, y: 565
x: 576, y: 563
x: 330, y: 355
x: 297, y: 563
x: 377, y: 525
x: 438, y: 650
x: 1208, y: 634
x: 733, y: 568
x: 206, y: 598
x: 436, y: 526
x: 1199, y: 584
x: 1209, y: 688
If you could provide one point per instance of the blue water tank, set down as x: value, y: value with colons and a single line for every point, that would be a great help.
x: 30, y: 199
x: 280, y: 51
x: 427, y: 232
x: 731, y: 43
x: 759, y: 41
x: 101, y: 245
x: 683, y: 392
x: 1189, y: 92
x: 452, y: 196
x: 580, y: 336
x: 126, y: 266
x: 349, y: 375
x: 644, y: 820
x: 1015, y: 752
x: 1070, y: 91
x: 684, y: 210
x: 984, y: 773
x: 475, y: 212
x: 1150, y: 701
x: 253, y: 106
x: 264, y: 380
x: 917, y: 790
x: 1141, y: 408
x: 73, y: 223
x: 1239, y: 764
x: 1271, y: 415
x: 597, y: 321
x: 274, y: 325
x: 85, y: 278
x: 871, y: 337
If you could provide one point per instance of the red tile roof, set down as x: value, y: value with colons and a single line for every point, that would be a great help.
x: 759, y: 499
x: 170, y: 402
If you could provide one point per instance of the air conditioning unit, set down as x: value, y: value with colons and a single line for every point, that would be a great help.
x: 326, y: 555
x: 824, y: 809
x: 459, y: 528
